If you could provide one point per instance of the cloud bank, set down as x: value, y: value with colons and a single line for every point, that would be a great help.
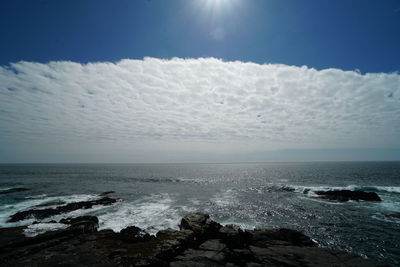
x: 206, y: 105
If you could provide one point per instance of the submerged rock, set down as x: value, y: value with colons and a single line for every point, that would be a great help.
x: 346, y: 195
x: 13, y: 190
x: 45, y: 213
x: 200, y: 242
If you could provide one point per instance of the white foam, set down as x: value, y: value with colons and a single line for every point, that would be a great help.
x: 5, y: 188
x: 242, y: 225
x: 391, y: 189
x: 152, y: 213
x: 40, y: 228
x: 37, y: 196
x: 7, y: 210
x: 388, y: 206
x: 383, y: 218
x: 372, y: 188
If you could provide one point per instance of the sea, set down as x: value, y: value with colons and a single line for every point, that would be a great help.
x: 156, y: 196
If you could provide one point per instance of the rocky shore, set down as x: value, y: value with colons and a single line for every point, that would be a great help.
x: 199, y: 242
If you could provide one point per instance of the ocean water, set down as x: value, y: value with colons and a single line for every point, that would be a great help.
x: 156, y: 196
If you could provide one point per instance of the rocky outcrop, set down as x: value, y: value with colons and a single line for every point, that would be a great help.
x: 45, y: 213
x: 13, y: 190
x: 201, y: 225
x: 133, y: 234
x: 106, y: 193
x: 346, y: 195
x: 200, y: 242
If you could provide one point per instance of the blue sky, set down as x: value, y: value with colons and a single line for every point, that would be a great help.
x: 344, y: 34
x: 199, y: 80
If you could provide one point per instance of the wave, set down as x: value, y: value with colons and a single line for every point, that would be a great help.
x: 385, y: 189
x: 152, y: 213
x: 43, y: 202
x: 310, y: 190
x: 40, y: 228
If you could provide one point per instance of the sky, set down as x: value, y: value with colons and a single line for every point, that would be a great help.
x: 199, y: 81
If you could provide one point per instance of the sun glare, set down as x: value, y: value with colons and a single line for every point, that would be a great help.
x: 219, y: 5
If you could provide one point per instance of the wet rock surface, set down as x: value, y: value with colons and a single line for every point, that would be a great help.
x: 13, y: 190
x: 346, y: 195
x: 200, y: 242
x: 48, y: 212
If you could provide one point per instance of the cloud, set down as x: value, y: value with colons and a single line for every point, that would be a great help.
x: 195, y: 104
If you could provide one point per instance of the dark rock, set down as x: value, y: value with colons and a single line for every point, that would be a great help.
x: 205, y: 256
x: 205, y: 263
x: 173, y: 242
x: 44, y: 213
x: 52, y: 203
x: 70, y: 220
x: 201, y: 224
x: 393, y: 215
x: 213, y: 245
x: 242, y: 255
x: 133, y: 234
x: 82, y: 245
x: 84, y: 226
x: 106, y: 193
x: 233, y: 236
x: 307, y: 256
x: 254, y: 264
x: 13, y: 190
x: 266, y: 237
x: 346, y: 195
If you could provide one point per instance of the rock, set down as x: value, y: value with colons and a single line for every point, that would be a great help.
x: 173, y: 242
x: 213, y: 245
x: 44, y: 213
x: 233, y: 236
x: 205, y: 256
x: 52, y: 203
x: 70, y: 220
x: 393, y: 215
x: 346, y: 195
x: 307, y: 256
x: 253, y: 264
x: 201, y: 224
x: 133, y: 234
x: 241, y: 256
x: 13, y: 190
x: 106, y: 193
x: 194, y: 264
x: 82, y: 245
x: 265, y: 237
x: 84, y: 226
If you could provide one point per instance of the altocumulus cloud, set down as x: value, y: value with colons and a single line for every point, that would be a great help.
x: 134, y: 107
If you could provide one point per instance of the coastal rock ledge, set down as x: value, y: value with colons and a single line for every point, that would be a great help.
x: 199, y: 242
